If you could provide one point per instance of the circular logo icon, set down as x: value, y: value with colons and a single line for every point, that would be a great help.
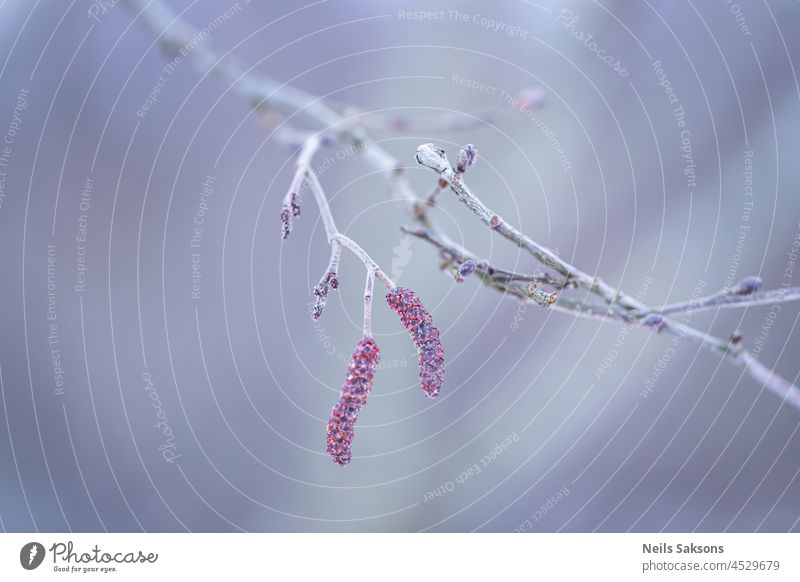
x: 31, y: 555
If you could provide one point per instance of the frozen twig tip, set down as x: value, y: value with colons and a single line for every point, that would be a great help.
x: 433, y: 157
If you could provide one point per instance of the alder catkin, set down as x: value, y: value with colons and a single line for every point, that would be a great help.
x: 419, y: 323
x: 356, y: 387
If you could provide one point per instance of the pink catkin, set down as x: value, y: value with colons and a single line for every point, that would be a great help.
x: 356, y: 387
x: 419, y: 323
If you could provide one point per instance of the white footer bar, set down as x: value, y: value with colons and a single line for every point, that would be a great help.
x: 354, y: 557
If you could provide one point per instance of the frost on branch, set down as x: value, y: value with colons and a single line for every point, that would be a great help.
x: 467, y: 156
x: 356, y: 387
x: 433, y: 157
x: 419, y: 323
x: 291, y: 208
x: 328, y: 282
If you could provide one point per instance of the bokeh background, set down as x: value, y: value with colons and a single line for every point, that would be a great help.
x: 597, y: 429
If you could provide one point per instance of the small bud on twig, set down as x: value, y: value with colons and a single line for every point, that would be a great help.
x: 654, y: 321
x: 466, y: 157
x: 747, y: 286
x: 291, y: 208
x: 328, y: 281
x: 465, y: 270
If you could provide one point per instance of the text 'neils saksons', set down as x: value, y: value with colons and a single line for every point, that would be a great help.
x: 664, y: 548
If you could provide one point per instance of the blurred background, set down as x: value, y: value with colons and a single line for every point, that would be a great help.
x: 163, y: 374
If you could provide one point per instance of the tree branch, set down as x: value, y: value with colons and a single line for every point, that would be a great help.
x: 262, y: 92
x: 620, y: 307
x: 725, y: 299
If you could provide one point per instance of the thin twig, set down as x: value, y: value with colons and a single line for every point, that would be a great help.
x: 174, y: 35
x: 291, y: 202
x: 353, y: 247
x: 459, y: 254
x: 334, y: 236
x: 328, y: 281
x: 727, y: 300
x: 368, y: 291
x: 768, y: 378
x: 447, y: 121
x: 434, y: 158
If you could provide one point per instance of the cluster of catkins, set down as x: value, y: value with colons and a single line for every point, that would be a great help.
x: 361, y: 370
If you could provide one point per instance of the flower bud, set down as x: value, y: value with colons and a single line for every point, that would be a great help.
x: 419, y: 323
x: 328, y: 282
x: 747, y: 286
x: 531, y: 98
x: 465, y: 270
x: 655, y: 321
x: 466, y: 157
x: 356, y: 387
